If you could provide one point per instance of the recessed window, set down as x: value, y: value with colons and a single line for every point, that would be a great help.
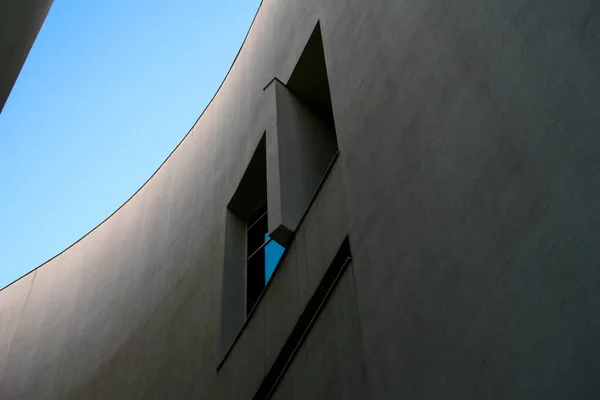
x: 263, y: 255
x: 291, y: 160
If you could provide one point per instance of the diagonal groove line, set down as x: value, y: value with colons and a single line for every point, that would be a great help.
x: 305, y: 322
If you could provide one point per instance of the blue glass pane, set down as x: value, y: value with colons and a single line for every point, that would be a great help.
x: 273, y: 253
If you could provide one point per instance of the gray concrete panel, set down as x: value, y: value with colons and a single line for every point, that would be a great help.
x: 472, y: 196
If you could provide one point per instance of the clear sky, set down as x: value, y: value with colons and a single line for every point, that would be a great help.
x: 107, y: 92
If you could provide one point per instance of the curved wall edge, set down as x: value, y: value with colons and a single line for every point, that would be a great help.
x: 154, y: 173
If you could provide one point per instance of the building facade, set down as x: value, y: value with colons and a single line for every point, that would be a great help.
x: 388, y: 199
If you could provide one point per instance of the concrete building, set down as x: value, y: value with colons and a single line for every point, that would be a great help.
x: 20, y: 22
x: 432, y: 169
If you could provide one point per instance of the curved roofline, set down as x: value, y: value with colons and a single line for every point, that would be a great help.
x: 159, y: 167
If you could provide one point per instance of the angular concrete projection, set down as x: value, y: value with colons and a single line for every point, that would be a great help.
x: 300, y: 147
x: 301, y: 138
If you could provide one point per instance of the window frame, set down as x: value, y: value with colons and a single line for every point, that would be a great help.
x: 261, y: 281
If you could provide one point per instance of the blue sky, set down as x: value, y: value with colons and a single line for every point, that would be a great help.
x: 107, y: 92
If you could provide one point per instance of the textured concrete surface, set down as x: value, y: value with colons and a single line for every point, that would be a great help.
x: 329, y: 364
x: 468, y: 183
x: 20, y: 22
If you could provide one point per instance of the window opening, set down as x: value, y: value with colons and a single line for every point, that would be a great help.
x: 263, y: 255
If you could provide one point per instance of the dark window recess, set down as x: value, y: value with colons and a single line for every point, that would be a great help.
x: 263, y: 255
x: 310, y: 83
